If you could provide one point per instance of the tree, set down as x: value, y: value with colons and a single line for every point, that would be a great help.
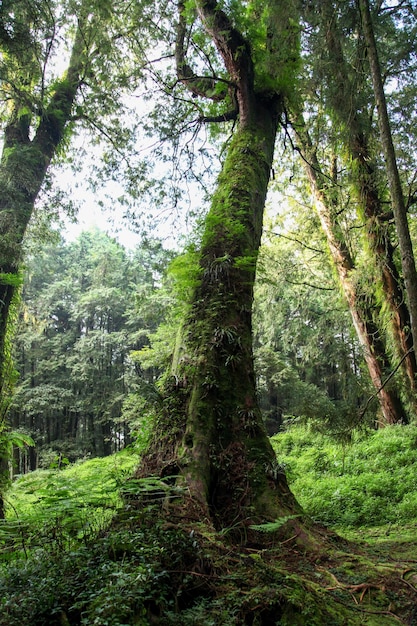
x: 82, y: 314
x: 394, y: 180
x: 26, y: 157
x: 210, y: 435
x: 39, y: 110
x: 370, y: 338
x: 349, y: 98
x: 341, y: 155
x: 41, y: 105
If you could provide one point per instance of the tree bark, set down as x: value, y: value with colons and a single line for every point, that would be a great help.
x: 394, y: 182
x: 210, y: 437
x: 391, y: 281
x: 369, y: 337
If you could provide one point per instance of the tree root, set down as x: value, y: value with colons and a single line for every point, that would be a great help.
x: 403, y: 575
x: 363, y: 588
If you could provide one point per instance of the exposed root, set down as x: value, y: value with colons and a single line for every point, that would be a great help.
x: 361, y: 587
x: 403, y: 577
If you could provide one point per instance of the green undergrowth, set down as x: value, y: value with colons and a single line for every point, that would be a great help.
x: 142, y: 571
x: 370, y: 482
x: 63, y: 508
x: 73, y: 553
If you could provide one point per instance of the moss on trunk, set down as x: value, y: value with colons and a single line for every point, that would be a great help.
x: 210, y: 433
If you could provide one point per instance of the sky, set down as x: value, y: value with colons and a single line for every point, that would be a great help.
x: 102, y: 209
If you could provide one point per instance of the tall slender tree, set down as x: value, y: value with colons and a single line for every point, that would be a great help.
x: 393, y: 176
x: 347, y: 101
x: 362, y: 311
x: 58, y: 59
x: 341, y: 153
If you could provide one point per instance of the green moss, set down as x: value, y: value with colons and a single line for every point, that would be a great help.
x: 12, y: 279
x: 244, y: 175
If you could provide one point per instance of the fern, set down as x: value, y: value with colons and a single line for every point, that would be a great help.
x: 272, y: 527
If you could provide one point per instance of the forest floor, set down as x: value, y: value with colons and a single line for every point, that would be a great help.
x: 71, y: 554
x: 338, y: 582
x: 370, y: 581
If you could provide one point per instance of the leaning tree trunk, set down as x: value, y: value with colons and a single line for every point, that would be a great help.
x: 391, y: 281
x: 346, y: 105
x: 394, y: 182
x: 374, y: 352
x: 23, y: 166
x: 215, y: 438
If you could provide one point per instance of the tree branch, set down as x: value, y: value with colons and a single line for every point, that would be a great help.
x: 306, y: 284
x: 301, y: 243
x: 57, y: 114
x: 203, y: 86
x: 235, y: 52
x: 222, y: 117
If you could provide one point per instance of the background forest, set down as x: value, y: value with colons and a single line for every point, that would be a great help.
x: 95, y: 332
x: 184, y: 424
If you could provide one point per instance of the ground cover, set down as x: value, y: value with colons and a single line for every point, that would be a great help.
x: 135, y: 567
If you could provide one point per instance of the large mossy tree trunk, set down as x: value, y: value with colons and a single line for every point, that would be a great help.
x: 210, y: 434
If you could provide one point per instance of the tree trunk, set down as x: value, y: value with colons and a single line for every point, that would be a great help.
x: 369, y: 337
x: 391, y: 281
x: 394, y: 182
x: 343, y: 98
x: 215, y: 439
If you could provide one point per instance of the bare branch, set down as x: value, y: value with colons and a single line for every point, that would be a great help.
x: 301, y: 243
x: 235, y: 52
x: 305, y: 284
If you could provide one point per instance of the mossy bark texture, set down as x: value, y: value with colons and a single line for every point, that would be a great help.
x: 394, y: 182
x: 220, y: 447
x: 210, y: 434
x: 23, y: 166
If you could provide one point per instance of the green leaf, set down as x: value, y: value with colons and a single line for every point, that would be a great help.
x: 271, y: 527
